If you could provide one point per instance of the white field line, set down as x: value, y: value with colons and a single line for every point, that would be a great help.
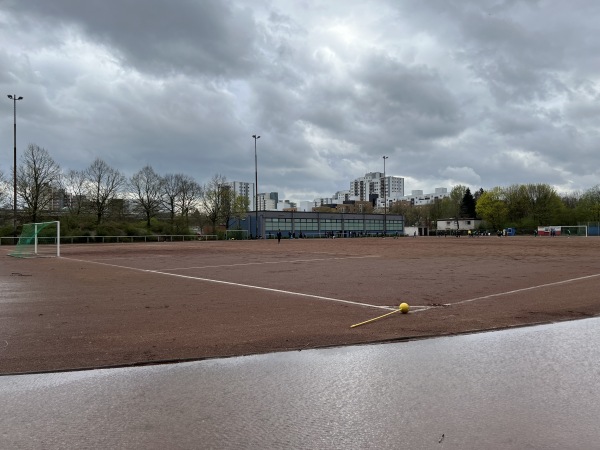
x: 531, y: 288
x: 228, y: 283
x: 272, y: 262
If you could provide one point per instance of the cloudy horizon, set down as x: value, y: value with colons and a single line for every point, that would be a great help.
x: 481, y: 93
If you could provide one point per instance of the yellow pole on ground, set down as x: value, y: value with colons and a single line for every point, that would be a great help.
x: 376, y: 318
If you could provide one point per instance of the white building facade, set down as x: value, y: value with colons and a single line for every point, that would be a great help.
x: 418, y: 198
x: 373, y: 187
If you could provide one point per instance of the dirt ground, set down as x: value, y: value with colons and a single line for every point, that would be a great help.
x: 107, y: 305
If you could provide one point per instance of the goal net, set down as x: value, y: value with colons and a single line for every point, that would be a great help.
x: 38, y: 239
x: 237, y: 235
x: 564, y: 231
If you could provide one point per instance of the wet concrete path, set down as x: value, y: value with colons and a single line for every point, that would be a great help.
x: 535, y: 387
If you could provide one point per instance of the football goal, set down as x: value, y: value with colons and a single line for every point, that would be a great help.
x: 237, y: 235
x: 38, y: 239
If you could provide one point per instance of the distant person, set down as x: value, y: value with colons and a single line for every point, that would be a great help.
x: 279, y: 236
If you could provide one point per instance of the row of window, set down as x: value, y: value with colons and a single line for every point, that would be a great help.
x: 274, y: 224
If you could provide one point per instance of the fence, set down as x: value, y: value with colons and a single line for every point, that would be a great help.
x: 118, y: 239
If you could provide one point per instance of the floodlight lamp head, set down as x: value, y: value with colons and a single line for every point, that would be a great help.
x: 10, y: 96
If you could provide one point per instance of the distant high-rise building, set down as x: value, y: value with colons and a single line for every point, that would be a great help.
x: 245, y: 190
x: 371, y: 188
x: 59, y: 200
x: 268, y: 201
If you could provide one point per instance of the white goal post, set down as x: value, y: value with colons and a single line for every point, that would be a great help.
x: 38, y: 239
x: 238, y: 235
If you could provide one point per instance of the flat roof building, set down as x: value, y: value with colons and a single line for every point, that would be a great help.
x: 323, y: 224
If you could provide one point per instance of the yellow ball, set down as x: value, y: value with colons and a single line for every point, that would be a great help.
x: 404, y: 308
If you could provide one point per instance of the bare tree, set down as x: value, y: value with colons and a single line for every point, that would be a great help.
x: 4, y: 190
x: 74, y: 185
x: 189, y: 194
x: 171, y: 190
x: 228, y: 197
x: 37, y: 177
x: 213, y: 199
x: 104, y: 183
x: 147, y: 187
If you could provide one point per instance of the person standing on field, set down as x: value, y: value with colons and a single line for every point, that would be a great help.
x: 278, y: 236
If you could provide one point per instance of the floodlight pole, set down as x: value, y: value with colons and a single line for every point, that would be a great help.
x: 384, y: 200
x: 255, y: 136
x: 14, y: 98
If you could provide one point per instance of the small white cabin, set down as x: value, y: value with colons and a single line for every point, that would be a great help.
x: 463, y: 224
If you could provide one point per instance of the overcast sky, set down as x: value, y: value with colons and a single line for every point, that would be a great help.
x: 482, y: 93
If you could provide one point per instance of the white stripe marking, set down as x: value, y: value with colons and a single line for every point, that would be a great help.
x: 272, y: 262
x: 526, y: 289
x: 237, y: 284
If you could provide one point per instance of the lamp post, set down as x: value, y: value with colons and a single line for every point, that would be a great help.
x: 255, y: 136
x: 384, y: 200
x: 14, y: 98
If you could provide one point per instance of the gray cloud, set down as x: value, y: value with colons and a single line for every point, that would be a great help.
x: 483, y: 93
x: 184, y: 36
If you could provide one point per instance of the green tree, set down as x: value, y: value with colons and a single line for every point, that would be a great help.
x: 241, y: 205
x: 571, y: 215
x: 467, y: 205
x: 492, y: 208
x: 435, y: 211
x: 517, y: 203
x: 454, y: 202
x: 544, y: 203
x: 477, y: 194
x: 589, y: 205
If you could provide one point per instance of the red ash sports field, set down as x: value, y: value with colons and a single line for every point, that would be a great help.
x: 104, y: 305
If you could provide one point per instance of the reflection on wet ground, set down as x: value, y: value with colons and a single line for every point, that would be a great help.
x: 533, y: 387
